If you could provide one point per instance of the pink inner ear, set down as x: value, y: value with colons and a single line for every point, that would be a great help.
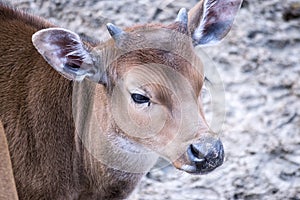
x: 74, y: 61
x: 65, y: 52
x: 221, y: 11
x: 70, y: 49
x: 217, y: 20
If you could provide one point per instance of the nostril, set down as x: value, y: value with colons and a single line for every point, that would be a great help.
x: 196, y: 151
x: 195, y: 154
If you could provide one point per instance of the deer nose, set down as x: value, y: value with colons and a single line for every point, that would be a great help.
x: 207, y: 155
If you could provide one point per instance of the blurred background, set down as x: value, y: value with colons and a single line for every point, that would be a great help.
x: 259, y: 63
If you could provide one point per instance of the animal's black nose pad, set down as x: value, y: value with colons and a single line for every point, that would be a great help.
x: 208, y: 154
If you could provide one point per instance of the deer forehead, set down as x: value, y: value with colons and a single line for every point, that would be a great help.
x: 142, y: 68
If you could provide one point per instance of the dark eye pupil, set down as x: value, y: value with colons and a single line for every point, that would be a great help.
x: 138, y: 98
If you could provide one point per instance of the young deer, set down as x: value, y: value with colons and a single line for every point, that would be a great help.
x: 92, y: 130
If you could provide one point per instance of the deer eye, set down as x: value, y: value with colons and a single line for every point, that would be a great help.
x: 140, y: 99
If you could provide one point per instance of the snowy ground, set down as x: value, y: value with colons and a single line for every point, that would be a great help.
x: 259, y: 63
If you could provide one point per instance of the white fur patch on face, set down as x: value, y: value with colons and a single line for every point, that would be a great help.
x: 128, y: 145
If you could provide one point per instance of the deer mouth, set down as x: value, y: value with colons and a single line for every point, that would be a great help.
x: 201, y: 158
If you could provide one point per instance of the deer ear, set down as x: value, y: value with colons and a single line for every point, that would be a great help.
x: 211, y: 20
x: 66, y: 53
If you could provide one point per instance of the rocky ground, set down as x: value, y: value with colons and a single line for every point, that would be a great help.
x: 259, y: 63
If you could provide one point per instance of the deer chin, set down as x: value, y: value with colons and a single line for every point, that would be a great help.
x: 195, y: 168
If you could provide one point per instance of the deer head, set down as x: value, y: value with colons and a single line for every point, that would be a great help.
x: 152, y: 79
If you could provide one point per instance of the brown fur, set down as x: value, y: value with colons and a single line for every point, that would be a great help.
x: 48, y: 159
x: 45, y: 161
x: 58, y: 155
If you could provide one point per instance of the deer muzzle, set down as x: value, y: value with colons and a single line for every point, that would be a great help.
x: 202, y: 157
